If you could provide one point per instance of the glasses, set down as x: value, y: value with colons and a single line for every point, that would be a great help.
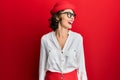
x: 69, y: 14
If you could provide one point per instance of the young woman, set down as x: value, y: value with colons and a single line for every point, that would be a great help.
x: 61, y: 53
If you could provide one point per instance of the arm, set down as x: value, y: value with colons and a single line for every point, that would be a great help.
x: 42, y: 61
x: 82, y: 70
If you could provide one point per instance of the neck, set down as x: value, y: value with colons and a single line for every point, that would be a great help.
x: 61, y: 32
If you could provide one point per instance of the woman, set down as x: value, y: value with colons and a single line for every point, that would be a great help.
x: 61, y: 54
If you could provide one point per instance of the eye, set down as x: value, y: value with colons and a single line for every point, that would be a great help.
x: 70, y: 14
x: 73, y: 14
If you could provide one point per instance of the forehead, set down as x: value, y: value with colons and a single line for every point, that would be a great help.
x: 68, y: 10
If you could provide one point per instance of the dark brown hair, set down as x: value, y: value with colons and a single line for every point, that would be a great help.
x: 54, y: 22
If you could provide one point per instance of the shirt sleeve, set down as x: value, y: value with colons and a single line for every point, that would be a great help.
x: 82, y: 70
x: 42, y: 61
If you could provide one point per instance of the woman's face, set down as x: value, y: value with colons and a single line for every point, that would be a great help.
x: 66, y: 19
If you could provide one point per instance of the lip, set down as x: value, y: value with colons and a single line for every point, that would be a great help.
x: 70, y: 22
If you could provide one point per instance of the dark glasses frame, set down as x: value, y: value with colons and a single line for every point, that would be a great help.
x: 69, y: 14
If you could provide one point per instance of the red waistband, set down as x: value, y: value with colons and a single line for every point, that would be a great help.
x: 74, y: 71
x: 61, y: 76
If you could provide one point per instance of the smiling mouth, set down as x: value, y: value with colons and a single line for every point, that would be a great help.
x: 70, y: 22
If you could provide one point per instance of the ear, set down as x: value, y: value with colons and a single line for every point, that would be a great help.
x: 57, y: 18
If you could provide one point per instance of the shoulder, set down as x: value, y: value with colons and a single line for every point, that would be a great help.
x: 76, y: 35
x: 46, y: 36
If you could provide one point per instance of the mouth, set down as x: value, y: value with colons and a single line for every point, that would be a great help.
x: 70, y: 22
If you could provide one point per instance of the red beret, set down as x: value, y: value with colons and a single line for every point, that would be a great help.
x: 62, y: 5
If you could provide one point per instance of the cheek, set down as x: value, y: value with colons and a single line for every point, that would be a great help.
x: 64, y: 21
x: 64, y: 18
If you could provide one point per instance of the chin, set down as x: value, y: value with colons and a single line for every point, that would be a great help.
x: 68, y: 27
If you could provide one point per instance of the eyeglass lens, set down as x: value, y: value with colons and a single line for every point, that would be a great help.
x: 69, y: 14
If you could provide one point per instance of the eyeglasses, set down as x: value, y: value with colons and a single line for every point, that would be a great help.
x: 69, y: 14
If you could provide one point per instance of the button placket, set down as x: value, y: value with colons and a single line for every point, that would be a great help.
x: 62, y: 51
x: 62, y: 61
x: 62, y: 58
x: 62, y: 64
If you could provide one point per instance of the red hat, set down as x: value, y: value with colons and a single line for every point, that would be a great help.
x: 62, y: 5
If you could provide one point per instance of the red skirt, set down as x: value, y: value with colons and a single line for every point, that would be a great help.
x: 59, y: 76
